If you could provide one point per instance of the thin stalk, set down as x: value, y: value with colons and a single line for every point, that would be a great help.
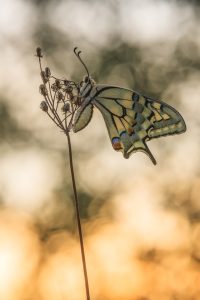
x: 78, y: 218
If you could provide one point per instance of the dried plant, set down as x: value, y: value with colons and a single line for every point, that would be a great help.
x: 61, y: 101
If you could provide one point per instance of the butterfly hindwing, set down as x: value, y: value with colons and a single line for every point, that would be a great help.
x: 132, y: 119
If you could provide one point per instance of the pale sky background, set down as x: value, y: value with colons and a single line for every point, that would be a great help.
x: 140, y: 222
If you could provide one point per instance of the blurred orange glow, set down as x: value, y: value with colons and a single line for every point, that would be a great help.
x: 19, y: 255
x: 61, y: 273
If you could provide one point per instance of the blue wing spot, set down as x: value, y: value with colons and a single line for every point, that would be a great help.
x: 137, y: 127
x: 123, y: 133
x: 140, y: 118
x: 135, y: 96
x: 116, y: 144
x: 115, y: 140
x: 134, y: 138
x: 137, y: 107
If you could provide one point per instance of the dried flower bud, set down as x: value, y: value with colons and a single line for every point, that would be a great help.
x: 54, y: 87
x: 60, y: 96
x: 66, y: 82
x: 42, y: 89
x: 66, y: 107
x: 69, y: 89
x: 70, y: 96
x: 39, y: 52
x: 57, y: 83
x: 44, y: 106
x: 44, y: 78
x: 47, y: 72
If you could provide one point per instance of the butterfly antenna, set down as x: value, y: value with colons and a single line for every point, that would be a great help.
x: 77, y: 53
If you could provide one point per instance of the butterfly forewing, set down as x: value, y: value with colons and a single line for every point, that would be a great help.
x: 132, y: 119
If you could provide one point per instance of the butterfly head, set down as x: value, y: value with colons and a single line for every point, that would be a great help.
x: 86, y: 85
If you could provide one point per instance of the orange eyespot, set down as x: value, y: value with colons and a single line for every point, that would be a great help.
x: 130, y: 130
x: 116, y: 144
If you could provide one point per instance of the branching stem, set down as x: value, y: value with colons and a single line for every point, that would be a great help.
x: 64, y: 93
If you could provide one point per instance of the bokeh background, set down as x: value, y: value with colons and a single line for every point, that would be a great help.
x: 141, y: 223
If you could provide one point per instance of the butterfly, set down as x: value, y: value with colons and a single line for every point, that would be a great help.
x: 131, y: 118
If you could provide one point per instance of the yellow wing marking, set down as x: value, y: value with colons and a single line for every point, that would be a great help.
x: 112, y: 106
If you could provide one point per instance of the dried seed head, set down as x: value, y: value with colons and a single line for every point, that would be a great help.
x: 47, y: 72
x: 66, y: 82
x: 60, y: 96
x: 66, y: 107
x: 69, y: 89
x: 42, y: 89
x: 54, y: 87
x: 39, y: 52
x: 57, y: 83
x: 44, y: 77
x: 70, y: 96
x: 44, y: 106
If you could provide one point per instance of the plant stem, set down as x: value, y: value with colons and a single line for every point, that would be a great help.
x: 78, y: 218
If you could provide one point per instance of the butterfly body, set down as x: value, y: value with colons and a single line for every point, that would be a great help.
x: 131, y: 118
